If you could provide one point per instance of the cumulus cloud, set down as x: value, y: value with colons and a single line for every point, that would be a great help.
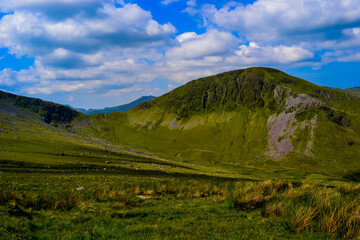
x: 94, y: 45
x: 46, y: 87
x: 217, y: 51
x: 212, y: 43
x: 278, y: 20
x: 255, y: 54
x: 30, y: 33
x: 288, y: 31
x: 341, y: 56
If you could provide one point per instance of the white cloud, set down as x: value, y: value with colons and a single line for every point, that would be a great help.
x: 7, y: 77
x: 279, y: 20
x: 341, y: 56
x: 33, y: 34
x: 255, y: 54
x: 167, y: 2
x: 46, y: 87
x: 112, y: 46
x: 182, y: 69
x: 186, y: 36
x: 212, y: 43
x: 191, y: 3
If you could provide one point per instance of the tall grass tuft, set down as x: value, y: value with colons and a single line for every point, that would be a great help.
x: 302, y: 218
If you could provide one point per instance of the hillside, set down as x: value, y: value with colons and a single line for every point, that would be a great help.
x: 121, y: 108
x: 247, y: 120
x: 36, y: 109
x: 354, y: 90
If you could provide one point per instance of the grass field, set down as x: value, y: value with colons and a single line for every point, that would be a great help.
x: 57, y: 185
x: 48, y: 205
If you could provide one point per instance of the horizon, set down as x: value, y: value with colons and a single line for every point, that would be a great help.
x: 94, y: 54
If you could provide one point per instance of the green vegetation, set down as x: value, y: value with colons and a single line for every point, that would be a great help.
x: 247, y: 154
x: 223, y: 121
x: 76, y: 206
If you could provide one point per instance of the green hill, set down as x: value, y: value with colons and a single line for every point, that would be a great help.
x: 256, y: 118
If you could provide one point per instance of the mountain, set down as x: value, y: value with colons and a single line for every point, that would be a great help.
x: 121, y: 108
x: 255, y: 121
x: 256, y: 118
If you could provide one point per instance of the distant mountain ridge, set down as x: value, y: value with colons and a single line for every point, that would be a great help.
x: 120, y: 108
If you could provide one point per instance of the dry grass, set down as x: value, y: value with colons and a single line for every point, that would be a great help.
x: 349, y: 189
x: 275, y: 209
x: 302, y: 218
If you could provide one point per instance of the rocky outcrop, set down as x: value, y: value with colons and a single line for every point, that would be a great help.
x: 282, y: 126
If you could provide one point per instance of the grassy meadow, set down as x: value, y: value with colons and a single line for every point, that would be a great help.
x: 47, y: 205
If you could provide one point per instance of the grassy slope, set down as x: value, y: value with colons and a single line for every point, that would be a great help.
x: 355, y: 90
x: 222, y: 120
x: 28, y: 146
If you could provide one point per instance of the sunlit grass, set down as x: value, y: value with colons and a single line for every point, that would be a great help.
x: 303, y: 208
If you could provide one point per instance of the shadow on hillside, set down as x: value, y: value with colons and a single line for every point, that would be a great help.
x: 355, y: 176
x: 24, y: 167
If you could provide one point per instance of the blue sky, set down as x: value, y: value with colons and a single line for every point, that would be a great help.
x: 98, y: 53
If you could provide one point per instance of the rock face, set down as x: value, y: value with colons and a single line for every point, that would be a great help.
x: 282, y: 127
